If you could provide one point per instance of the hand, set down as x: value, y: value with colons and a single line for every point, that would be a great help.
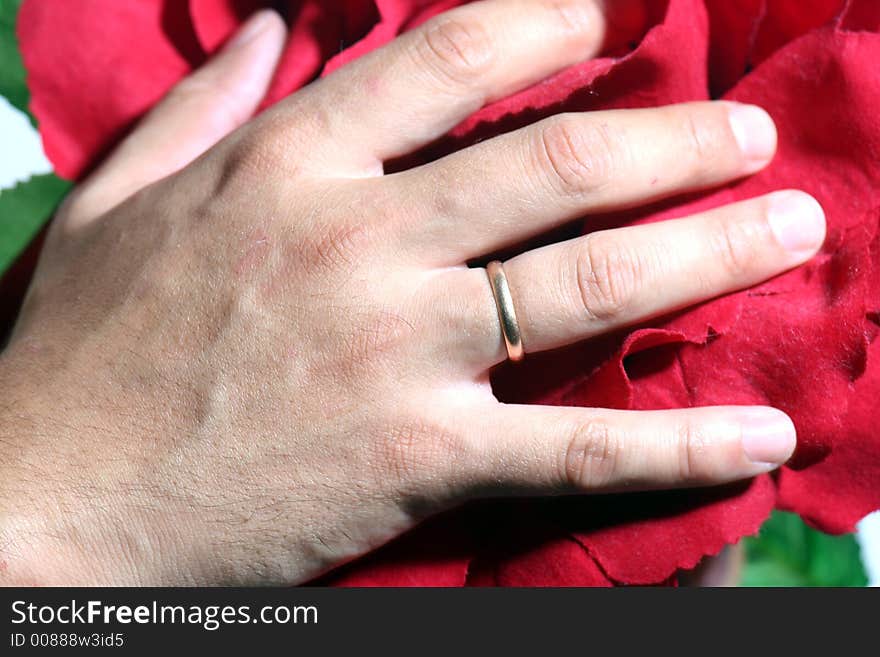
x: 275, y: 359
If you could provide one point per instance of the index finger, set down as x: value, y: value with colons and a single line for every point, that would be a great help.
x: 406, y: 94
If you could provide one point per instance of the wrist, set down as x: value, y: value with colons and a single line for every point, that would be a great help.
x: 53, y: 517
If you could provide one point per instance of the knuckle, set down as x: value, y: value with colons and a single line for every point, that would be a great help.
x: 732, y: 246
x: 592, y: 456
x: 691, y: 446
x: 703, y: 140
x: 338, y: 245
x: 376, y: 333
x: 421, y: 452
x: 258, y: 151
x: 575, y: 17
x: 343, y: 229
x: 246, y: 164
x: 579, y: 157
x: 455, y: 50
x: 608, y: 276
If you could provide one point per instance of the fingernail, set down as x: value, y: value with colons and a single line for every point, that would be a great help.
x: 755, y: 133
x: 251, y: 29
x: 797, y: 220
x: 768, y: 436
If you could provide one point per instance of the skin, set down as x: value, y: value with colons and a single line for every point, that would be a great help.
x: 248, y: 356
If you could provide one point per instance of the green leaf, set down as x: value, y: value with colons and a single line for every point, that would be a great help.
x: 25, y: 208
x: 787, y: 552
x: 23, y: 211
x: 13, y: 84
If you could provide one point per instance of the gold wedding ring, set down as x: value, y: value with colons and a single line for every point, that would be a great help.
x: 506, y: 312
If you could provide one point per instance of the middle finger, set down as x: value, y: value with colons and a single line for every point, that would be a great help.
x: 515, y: 186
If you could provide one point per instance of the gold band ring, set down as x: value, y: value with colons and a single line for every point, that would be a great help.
x: 506, y: 311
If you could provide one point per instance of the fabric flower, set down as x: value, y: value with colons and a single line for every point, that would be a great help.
x: 804, y: 342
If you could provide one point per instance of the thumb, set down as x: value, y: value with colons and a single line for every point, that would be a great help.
x: 196, y: 114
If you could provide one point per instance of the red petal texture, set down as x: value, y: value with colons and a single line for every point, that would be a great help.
x: 805, y: 341
x: 734, y: 26
x: 95, y: 66
x: 554, y: 561
x: 636, y: 550
x: 318, y: 30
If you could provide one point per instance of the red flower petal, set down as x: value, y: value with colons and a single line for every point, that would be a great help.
x: 734, y: 27
x: 318, y: 30
x: 838, y: 492
x: 861, y: 15
x: 88, y: 87
x: 783, y: 21
x: 554, y: 561
x: 649, y: 537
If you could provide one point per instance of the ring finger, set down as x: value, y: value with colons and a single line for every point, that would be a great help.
x: 573, y: 290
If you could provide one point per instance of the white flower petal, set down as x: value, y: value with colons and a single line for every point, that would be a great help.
x: 869, y: 539
x: 21, y: 147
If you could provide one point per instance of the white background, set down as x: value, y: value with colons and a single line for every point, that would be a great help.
x: 21, y: 156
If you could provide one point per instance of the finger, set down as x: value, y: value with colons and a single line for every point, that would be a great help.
x: 526, y: 182
x: 195, y: 115
x: 577, y: 289
x: 410, y: 92
x: 547, y: 449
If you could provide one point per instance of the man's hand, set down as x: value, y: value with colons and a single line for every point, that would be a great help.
x: 253, y: 364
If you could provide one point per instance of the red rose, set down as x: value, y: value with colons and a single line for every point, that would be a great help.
x: 804, y: 342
